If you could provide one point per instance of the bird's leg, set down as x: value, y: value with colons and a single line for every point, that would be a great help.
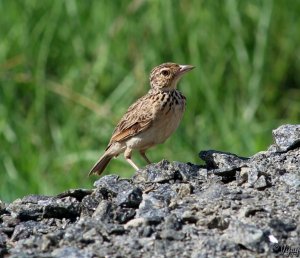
x: 143, y: 154
x: 127, y: 155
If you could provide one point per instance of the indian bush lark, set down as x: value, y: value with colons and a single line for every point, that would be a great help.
x: 151, y: 119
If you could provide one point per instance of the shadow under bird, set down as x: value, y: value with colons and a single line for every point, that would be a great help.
x: 151, y: 119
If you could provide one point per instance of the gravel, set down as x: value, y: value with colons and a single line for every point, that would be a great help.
x: 232, y: 206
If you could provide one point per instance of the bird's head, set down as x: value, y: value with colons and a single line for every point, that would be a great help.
x: 167, y: 75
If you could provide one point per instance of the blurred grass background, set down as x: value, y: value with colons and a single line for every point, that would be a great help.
x: 70, y: 69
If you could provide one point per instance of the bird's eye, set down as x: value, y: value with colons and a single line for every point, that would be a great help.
x: 165, y: 72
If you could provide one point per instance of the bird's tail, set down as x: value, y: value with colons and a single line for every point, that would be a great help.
x: 101, y: 164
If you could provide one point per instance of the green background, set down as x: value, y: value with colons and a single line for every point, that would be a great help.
x: 70, y: 69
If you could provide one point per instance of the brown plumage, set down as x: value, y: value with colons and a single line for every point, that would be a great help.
x: 151, y: 119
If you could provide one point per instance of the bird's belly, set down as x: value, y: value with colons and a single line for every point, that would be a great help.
x: 166, y: 125
x: 161, y: 128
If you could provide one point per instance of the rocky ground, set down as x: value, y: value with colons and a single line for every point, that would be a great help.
x: 232, y: 206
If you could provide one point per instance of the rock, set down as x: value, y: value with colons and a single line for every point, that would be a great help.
x: 215, y: 191
x: 218, y: 222
x: 113, y: 183
x: 3, y: 244
x: 134, y: 223
x: 189, y: 217
x: 38, y: 207
x: 161, y: 172
x: 146, y: 231
x: 285, y: 225
x: 27, y: 228
x: 171, y: 234
x: 173, y: 222
x: 261, y: 183
x: 246, y: 235
x: 253, y: 175
x: 287, y: 137
x: 78, y: 194
x: 51, y: 239
x: 188, y: 171
x: 183, y: 189
x: 232, y: 206
x: 90, y: 203
x: 124, y: 215
x: 104, y: 211
x: 69, y: 251
x: 130, y: 198
x: 224, y: 164
x: 67, y: 207
x: 223, y: 160
x: 292, y: 180
x: 25, y: 210
x: 242, y: 175
x: 155, y: 204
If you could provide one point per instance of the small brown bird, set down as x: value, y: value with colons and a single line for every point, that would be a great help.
x: 151, y: 119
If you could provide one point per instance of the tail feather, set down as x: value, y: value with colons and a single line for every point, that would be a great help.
x: 100, y: 165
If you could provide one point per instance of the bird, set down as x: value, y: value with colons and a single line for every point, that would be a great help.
x: 150, y: 120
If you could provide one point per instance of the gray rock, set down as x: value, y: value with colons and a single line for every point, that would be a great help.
x: 38, y: 207
x: 292, y: 180
x: 113, y: 184
x: 218, y: 222
x: 261, y: 183
x: 156, y: 203
x: 67, y: 207
x: 283, y: 225
x: 188, y: 171
x: 25, y: 210
x: 223, y: 160
x: 287, y: 137
x: 224, y: 164
x: 230, y: 207
x: 171, y: 234
x: 123, y: 215
x: 246, y: 235
x: 215, y: 191
x: 253, y: 175
x: 130, y: 198
x: 27, y: 228
x: 69, y: 251
x: 3, y: 244
x: 161, y: 172
x: 104, y: 211
x: 78, y: 194
x: 90, y: 203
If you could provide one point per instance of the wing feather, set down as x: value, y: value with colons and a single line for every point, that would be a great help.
x: 137, y: 119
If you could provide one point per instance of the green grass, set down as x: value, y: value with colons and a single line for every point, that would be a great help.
x: 69, y: 70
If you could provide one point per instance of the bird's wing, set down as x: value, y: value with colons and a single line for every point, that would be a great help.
x: 137, y: 119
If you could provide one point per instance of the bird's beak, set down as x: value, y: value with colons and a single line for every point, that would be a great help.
x: 185, y: 68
